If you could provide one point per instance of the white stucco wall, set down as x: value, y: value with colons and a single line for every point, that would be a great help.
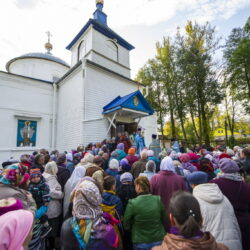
x: 70, y: 111
x: 22, y: 98
x: 38, y: 68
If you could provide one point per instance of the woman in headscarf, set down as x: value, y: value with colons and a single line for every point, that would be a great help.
x: 150, y: 170
x: 63, y: 173
x: 152, y: 157
x: 88, y: 228
x: 87, y: 160
x: 131, y: 157
x: 72, y: 182
x: 166, y: 182
x: 114, y: 155
x: 194, y: 159
x: 185, y: 161
x: 12, y: 178
x: 16, y: 230
x: 113, y: 169
x: 232, y: 185
x: 39, y: 162
x: 55, y: 206
x: 120, y: 151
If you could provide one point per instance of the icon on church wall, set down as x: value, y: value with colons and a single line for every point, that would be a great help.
x: 26, y: 133
x: 136, y: 101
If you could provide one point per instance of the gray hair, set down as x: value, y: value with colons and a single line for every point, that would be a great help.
x: 144, y: 154
x: 150, y: 166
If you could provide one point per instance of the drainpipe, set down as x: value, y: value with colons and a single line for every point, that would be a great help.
x: 83, y: 100
x: 54, y: 116
x: 146, y: 92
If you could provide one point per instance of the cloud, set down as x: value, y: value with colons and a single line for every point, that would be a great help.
x: 23, y: 4
x: 24, y: 22
x: 150, y: 12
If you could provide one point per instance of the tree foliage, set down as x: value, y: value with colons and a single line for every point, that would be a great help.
x: 184, y: 85
x: 237, y: 57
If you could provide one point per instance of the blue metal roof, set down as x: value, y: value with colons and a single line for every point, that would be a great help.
x: 128, y: 102
x: 38, y: 55
x: 105, y: 30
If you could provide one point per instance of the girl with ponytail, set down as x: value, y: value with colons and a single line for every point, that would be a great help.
x: 186, y: 222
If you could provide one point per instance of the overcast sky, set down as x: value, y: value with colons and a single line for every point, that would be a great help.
x: 140, y: 22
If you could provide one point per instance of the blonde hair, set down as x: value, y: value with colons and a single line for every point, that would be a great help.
x: 51, y: 168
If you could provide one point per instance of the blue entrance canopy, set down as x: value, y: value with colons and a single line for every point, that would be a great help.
x: 132, y: 103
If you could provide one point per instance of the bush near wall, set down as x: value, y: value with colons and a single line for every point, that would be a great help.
x: 242, y: 141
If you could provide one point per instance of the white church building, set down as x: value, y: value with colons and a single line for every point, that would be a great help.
x: 46, y: 103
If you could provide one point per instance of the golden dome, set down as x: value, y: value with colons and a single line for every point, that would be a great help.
x: 99, y: 1
x: 48, y: 46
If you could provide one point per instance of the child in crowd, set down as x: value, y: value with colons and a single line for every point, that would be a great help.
x: 41, y: 194
x: 111, y: 203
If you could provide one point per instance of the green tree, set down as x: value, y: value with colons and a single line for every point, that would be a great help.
x: 237, y: 56
x: 150, y: 75
x: 195, y: 59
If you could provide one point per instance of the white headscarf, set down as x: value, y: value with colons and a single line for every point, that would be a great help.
x: 167, y: 164
x: 114, y: 164
x: 77, y: 175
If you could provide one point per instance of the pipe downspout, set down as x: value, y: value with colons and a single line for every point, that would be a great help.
x: 54, y: 116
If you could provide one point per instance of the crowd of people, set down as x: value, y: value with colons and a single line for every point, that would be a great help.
x: 120, y: 194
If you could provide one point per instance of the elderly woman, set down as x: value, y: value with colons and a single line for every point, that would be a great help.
x: 113, y: 169
x: 237, y: 191
x: 39, y: 162
x: 87, y: 160
x: 144, y: 216
x: 120, y: 151
x: 166, y: 182
x: 72, y: 182
x: 152, y: 157
x: 186, y: 164
x: 16, y: 230
x: 11, y: 179
x: 131, y: 157
x: 150, y: 170
x: 63, y: 173
x: 55, y: 206
x: 88, y: 228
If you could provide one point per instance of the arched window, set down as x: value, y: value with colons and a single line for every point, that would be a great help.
x: 81, y: 50
x: 112, y: 50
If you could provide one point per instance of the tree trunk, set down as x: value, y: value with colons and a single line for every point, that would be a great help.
x: 200, y: 124
x: 247, y: 79
x: 180, y: 115
x: 193, y: 122
x: 172, y: 117
x: 205, y: 124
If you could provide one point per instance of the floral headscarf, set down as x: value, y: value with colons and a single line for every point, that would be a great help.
x: 13, y: 175
x: 87, y: 200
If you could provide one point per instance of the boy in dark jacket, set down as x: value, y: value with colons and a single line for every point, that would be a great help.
x: 41, y: 194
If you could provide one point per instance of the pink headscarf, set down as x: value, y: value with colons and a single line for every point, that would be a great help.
x: 14, y: 229
x: 184, y: 158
